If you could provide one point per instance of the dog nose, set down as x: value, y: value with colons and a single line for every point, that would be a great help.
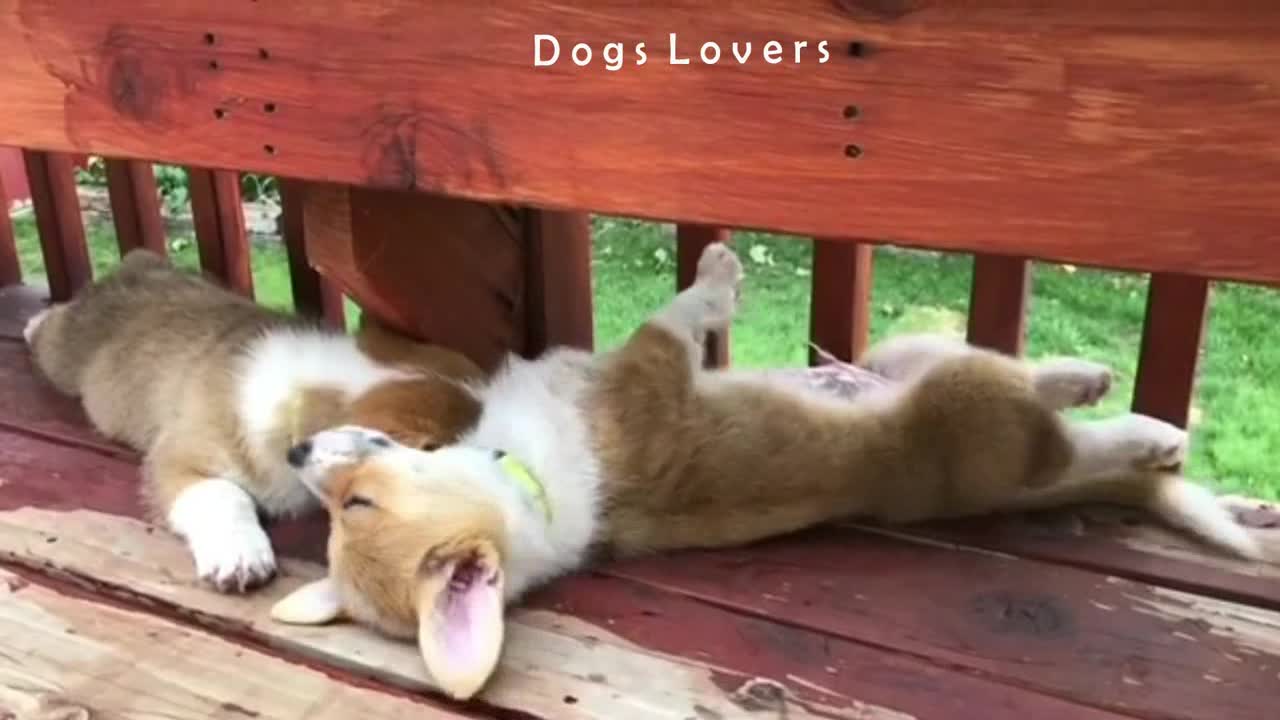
x: 297, y: 455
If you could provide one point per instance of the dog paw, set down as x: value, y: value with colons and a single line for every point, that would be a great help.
x: 1152, y: 444
x: 236, y: 561
x: 1072, y: 383
x: 33, y: 324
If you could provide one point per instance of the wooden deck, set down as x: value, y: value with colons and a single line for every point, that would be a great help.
x: 1083, y: 615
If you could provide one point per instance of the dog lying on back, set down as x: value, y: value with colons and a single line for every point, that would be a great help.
x: 214, y: 389
x: 639, y: 450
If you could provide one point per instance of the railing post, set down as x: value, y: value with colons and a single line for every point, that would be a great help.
x: 1172, y: 333
x: 840, y: 299
x: 313, y: 293
x: 998, y: 303
x: 558, y: 295
x: 135, y: 205
x: 57, y: 207
x: 220, y: 231
x: 10, y: 268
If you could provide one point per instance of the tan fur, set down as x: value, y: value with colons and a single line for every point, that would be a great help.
x: 150, y: 351
x: 736, y: 461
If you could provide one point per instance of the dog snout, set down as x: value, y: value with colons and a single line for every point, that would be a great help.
x: 298, y: 454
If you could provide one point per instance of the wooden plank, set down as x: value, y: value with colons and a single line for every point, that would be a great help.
x: 57, y: 207
x: 553, y: 665
x: 1059, y: 110
x: 10, y: 269
x: 402, y: 257
x: 558, y: 286
x: 135, y: 206
x: 63, y: 657
x: 691, y: 240
x: 840, y: 299
x: 313, y: 293
x: 1109, y: 642
x: 220, y: 230
x: 1172, y: 334
x: 998, y: 302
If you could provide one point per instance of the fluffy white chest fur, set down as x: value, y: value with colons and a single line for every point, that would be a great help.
x: 273, y: 373
x: 532, y: 410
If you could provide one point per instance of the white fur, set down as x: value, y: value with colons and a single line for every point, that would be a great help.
x: 33, y: 324
x: 276, y: 367
x: 218, y: 520
x: 532, y: 410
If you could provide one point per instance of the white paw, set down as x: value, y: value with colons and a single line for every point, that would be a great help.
x: 1151, y: 444
x: 33, y: 324
x: 236, y: 560
x: 1072, y: 383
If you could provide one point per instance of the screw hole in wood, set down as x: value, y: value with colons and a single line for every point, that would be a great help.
x: 858, y: 49
x: 210, y: 38
x: 214, y: 65
x: 269, y: 107
x: 263, y: 54
x: 852, y: 111
x: 853, y: 151
x: 219, y: 113
x: 269, y: 149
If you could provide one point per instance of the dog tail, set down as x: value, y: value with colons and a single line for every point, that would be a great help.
x: 1173, y: 499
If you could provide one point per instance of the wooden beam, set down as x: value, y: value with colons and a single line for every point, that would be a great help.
x: 313, y: 293
x: 319, y: 90
x: 691, y: 240
x: 1177, y: 306
x: 57, y: 207
x: 998, y: 303
x: 558, y: 285
x: 10, y: 268
x: 840, y: 299
x: 135, y: 206
x: 220, y: 231
x: 439, y: 269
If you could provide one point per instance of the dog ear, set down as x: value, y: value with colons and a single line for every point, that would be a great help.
x: 460, y: 616
x: 316, y: 603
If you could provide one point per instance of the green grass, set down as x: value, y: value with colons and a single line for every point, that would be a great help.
x: 1090, y: 314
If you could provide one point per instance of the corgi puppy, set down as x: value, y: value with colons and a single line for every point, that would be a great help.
x: 214, y: 389
x: 640, y: 450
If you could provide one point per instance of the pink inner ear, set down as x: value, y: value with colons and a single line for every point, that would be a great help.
x: 468, y: 609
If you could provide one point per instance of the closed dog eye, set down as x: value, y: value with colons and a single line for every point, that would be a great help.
x: 355, y: 501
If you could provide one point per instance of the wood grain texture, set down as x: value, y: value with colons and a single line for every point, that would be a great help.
x: 1023, y: 130
x: 63, y: 658
x: 998, y: 301
x: 691, y: 240
x: 398, y: 254
x: 10, y: 269
x: 554, y: 665
x: 313, y: 293
x: 840, y: 299
x: 1108, y: 642
x: 558, y: 299
x: 1172, y: 335
x: 218, y: 215
x: 57, y: 207
x: 135, y: 206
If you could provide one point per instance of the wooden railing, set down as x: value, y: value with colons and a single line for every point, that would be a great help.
x: 840, y: 292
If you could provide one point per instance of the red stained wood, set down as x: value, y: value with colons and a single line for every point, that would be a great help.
x: 10, y: 269
x: 1036, y: 123
x: 135, y: 206
x: 840, y: 299
x: 57, y: 207
x: 1064, y: 632
x: 998, y: 302
x: 691, y: 240
x: 220, y: 230
x: 815, y: 667
x: 313, y: 293
x: 398, y: 254
x: 558, y: 297
x: 1170, y: 352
